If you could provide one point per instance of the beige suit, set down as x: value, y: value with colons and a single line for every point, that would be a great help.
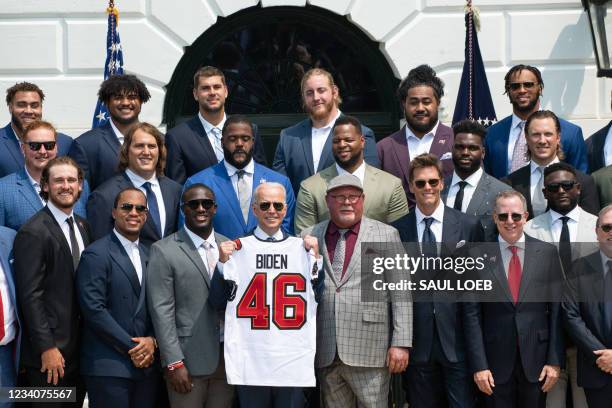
x: 385, y: 200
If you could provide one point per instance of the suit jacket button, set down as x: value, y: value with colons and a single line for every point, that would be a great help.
x: 337, y: 290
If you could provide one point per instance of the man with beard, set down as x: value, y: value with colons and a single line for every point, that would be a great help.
x: 420, y: 93
x: 542, y: 131
x: 569, y: 226
x: 196, y: 143
x: 505, y: 144
x: 24, y: 101
x: 305, y: 148
x: 20, y: 192
x: 234, y: 179
x: 385, y: 199
x: 97, y: 150
x: 47, y: 250
x: 471, y: 190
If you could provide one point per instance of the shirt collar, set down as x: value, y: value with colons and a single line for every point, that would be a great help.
x: 534, y: 166
x: 437, y: 215
x: 138, y: 180
x: 259, y: 233
x: 208, y: 126
x: 520, y: 243
x: 231, y: 170
x: 432, y: 132
x: 515, y: 121
x: 332, y: 228
x: 472, y: 179
x: 120, y: 136
x: 359, y: 172
x: 198, y: 240
x: 32, y: 181
x: 124, y: 241
x: 574, y: 215
x: 58, y: 214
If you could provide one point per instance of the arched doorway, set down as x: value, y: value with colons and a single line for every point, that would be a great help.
x: 263, y: 53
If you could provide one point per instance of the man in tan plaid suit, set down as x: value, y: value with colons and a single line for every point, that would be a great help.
x: 359, y: 343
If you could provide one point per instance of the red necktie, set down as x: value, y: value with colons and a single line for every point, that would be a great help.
x: 514, y: 273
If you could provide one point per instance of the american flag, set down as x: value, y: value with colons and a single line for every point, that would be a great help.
x: 114, y: 62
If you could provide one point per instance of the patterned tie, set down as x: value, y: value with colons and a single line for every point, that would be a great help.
x: 539, y: 203
x: 519, y: 154
x: 217, y: 143
x: 339, y: 255
x: 74, y: 244
x: 459, y: 197
x: 244, y: 198
x: 607, y: 305
x: 210, y: 257
x: 428, y: 242
x: 565, y: 249
x: 153, y: 206
x: 514, y: 273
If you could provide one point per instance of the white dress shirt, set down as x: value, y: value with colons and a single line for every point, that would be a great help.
x: 535, y: 175
x: 436, y: 225
x: 61, y: 218
x: 249, y: 170
x: 198, y: 241
x: 208, y: 127
x: 608, y: 148
x: 118, y: 134
x: 359, y: 172
x: 8, y: 310
x: 506, y: 254
x: 418, y: 146
x: 468, y: 191
x: 131, y: 248
x: 36, y: 186
x: 319, y: 137
x: 138, y: 182
x: 572, y: 224
x: 515, y: 132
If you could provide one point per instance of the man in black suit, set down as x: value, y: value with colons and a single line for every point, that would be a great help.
x: 47, y: 249
x: 516, y: 344
x: 142, y: 158
x: 437, y: 375
x: 471, y: 190
x: 587, y: 312
x: 196, y: 144
x: 543, y: 133
x: 599, y: 148
x: 97, y: 150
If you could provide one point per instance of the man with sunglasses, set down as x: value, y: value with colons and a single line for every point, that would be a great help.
x: 235, y: 178
x: 505, y: 144
x: 572, y: 229
x: 542, y: 133
x: 471, y: 190
x: 20, y: 192
x: 25, y: 103
x: 438, y: 374
x: 118, y: 346
x: 189, y: 331
x: 516, y: 341
x: 587, y: 313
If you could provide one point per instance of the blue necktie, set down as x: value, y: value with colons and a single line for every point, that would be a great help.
x: 428, y: 243
x: 153, y: 207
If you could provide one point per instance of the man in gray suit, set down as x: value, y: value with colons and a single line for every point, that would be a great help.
x: 471, y: 190
x: 359, y: 344
x: 385, y: 200
x: 187, y: 327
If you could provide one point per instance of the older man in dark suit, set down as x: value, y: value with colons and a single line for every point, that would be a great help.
x: 142, y: 158
x: 97, y: 150
x: 419, y: 93
x: 47, y: 250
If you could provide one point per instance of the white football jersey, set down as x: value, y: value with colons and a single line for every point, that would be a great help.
x: 270, y: 325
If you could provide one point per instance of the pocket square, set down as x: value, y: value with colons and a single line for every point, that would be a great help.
x: 446, y: 156
x: 460, y: 244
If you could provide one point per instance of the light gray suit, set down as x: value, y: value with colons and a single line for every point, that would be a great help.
x: 359, y: 332
x: 540, y: 227
x: 186, y: 326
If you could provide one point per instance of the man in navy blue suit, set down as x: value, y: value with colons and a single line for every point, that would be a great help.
x: 234, y: 180
x: 306, y: 147
x: 24, y: 101
x: 118, y: 347
x: 9, y: 318
x: 97, y: 150
x: 505, y: 145
x: 599, y: 148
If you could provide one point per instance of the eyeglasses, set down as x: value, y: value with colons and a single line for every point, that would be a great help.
x: 128, y: 207
x: 471, y: 148
x: 341, y: 199
x: 515, y: 86
x: 265, y: 206
x: 516, y: 217
x: 421, y: 183
x: 35, y: 146
x: 206, y: 203
x: 565, y: 185
x: 606, y: 227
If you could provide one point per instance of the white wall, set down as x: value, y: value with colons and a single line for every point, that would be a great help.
x: 60, y: 45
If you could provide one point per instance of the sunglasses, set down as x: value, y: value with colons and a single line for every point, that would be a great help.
x: 206, y: 203
x: 516, y: 217
x: 341, y: 199
x: 565, y: 185
x: 606, y: 227
x: 265, y: 206
x: 35, y: 146
x: 421, y: 183
x: 515, y: 86
x: 127, y: 207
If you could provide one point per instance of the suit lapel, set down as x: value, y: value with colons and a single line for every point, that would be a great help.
x: 497, y: 264
x: 532, y: 251
x: 306, y: 139
x: 27, y: 191
x: 319, y: 232
x: 401, y: 151
x: 121, y: 258
x: 144, y: 260
x: 110, y: 138
x: 168, y: 204
x: 12, y: 144
x: 479, y: 198
x: 225, y: 186
x: 7, y: 272
x: 56, y: 231
x: 196, y: 125
x: 503, y: 141
x: 186, y: 245
x: 438, y: 147
x: 326, y: 158
x: 370, y: 184
x: 355, y: 261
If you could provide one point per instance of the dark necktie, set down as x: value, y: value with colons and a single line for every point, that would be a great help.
x: 607, y: 305
x: 459, y: 197
x: 514, y: 273
x: 428, y: 243
x: 565, y: 248
x: 74, y: 244
x: 270, y: 239
x: 153, y: 206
